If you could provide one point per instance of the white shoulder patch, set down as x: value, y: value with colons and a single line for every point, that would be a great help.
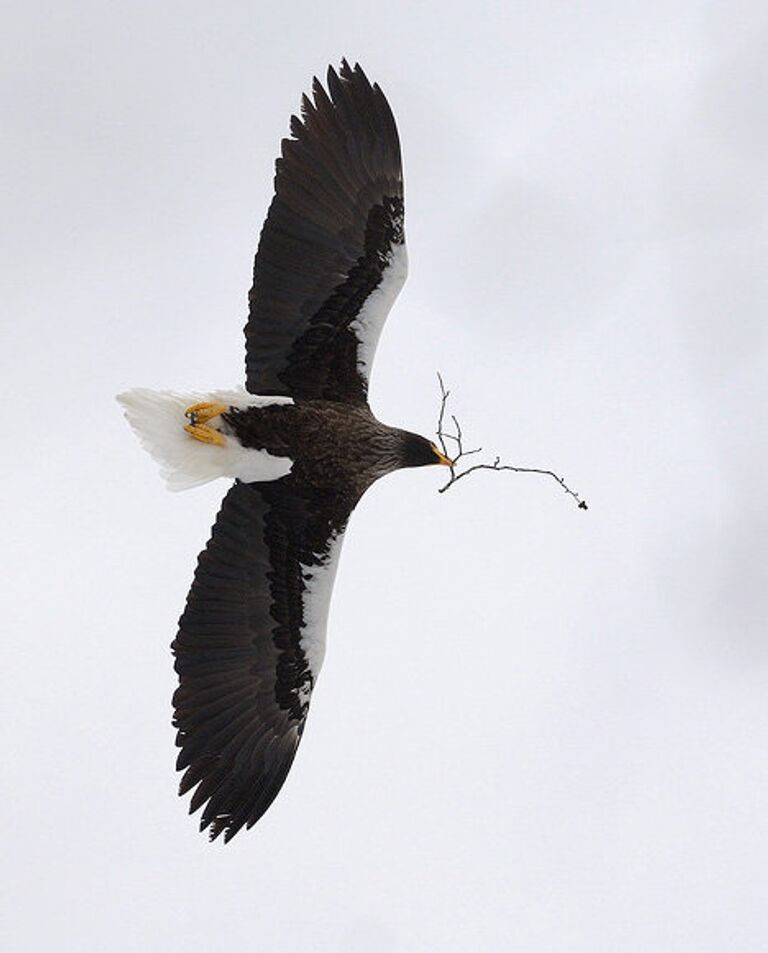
x: 316, y: 599
x: 157, y: 418
x: 370, y: 321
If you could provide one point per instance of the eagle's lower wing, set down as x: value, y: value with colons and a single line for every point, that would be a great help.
x: 250, y: 645
x: 331, y: 258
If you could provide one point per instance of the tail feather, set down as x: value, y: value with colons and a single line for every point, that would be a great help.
x: 157, y: 418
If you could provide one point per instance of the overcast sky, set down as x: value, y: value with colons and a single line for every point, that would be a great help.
x: 536, y: 729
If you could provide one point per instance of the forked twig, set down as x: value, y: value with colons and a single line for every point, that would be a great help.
x: 457, y: 439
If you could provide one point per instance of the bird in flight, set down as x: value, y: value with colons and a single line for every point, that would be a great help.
x: 300, y: 443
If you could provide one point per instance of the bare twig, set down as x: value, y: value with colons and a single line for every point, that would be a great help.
x: 457, y: 438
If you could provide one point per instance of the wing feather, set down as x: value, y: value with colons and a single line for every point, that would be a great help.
x: 245, y: 680
x: 328, y: 243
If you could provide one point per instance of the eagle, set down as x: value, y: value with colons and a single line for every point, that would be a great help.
x: 299, y: 441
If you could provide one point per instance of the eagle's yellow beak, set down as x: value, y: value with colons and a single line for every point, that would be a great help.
x: 441, y: 457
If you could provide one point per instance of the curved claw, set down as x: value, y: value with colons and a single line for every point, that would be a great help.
x: 205, y: 434
x: 204, y: 411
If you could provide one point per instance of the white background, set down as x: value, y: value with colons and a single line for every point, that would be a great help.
x: 537, y: 729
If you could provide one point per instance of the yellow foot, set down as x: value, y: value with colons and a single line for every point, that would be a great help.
x: 206, y: 434
x: 203, y: 412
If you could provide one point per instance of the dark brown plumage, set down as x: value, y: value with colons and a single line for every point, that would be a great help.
x: 331, y: 261
x: 332, y: 444
x: 337, y: 213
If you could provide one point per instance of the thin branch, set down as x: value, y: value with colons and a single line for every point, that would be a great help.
x: 441, y: 435
x: 458, y: 440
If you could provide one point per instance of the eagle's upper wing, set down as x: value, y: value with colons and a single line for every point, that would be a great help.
x: 250, y: 645
x: 331, y: 258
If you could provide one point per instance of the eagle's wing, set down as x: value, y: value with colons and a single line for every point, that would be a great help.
x: 331, y: 258
x: 250, y: 645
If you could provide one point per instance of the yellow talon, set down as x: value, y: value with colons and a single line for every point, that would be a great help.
x: 204, y: 411
x: 206, y: 434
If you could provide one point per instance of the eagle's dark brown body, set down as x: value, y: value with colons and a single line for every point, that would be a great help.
x: 336, y: 446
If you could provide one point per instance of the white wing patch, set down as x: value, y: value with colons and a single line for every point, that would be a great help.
x: 157, y: 417
x: 316, y: 598
x: 369, y: 322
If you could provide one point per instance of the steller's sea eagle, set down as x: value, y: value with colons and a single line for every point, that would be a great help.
x: 300, y: 442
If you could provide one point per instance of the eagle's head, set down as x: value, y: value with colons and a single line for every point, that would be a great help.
x: 417, y: 451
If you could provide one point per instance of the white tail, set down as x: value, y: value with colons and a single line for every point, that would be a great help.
x: 157, y: 417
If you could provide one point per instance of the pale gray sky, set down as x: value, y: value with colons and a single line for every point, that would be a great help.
x: 536, y: 729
